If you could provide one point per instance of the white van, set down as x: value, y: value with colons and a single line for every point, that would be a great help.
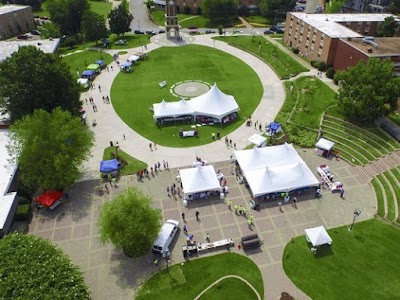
x: 165, y: 237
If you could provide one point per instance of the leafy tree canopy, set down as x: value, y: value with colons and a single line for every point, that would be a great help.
x: 32, y: 268
x: 67, y: 14
x: 394, y: 7
x: 388, y: 27
x: 220, y: 11
x: 130, y: 222
x: 94, y: 26
x: 276, y: 9
x: 31, y: 79
x: 368, y: 90
x: 50, y: 148
x: 119, y: 20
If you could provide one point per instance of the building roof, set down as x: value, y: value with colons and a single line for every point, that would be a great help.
x: 10, y: 8
x: 332, y: 24
x: 8, y: 48
x: 386, y: 46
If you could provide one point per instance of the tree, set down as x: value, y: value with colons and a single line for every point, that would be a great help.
x: 368, y: 90
x: 220, y: 11
x: 276, y: 9
x: 130, y: 222
x: 94, y: 26
x: 388, y: 27
x: 67, y: 14
x: 31, y: 79
x: 50, y: 30
x: 119, y: 20
x: 49, y: 149
x: 36, y: 269
x: 220, y: 30
x: 394, y: 8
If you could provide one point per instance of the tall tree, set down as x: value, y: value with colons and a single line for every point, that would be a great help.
x: 388, y: 27
x: 394, y: 8
x: 368, y: 90
x: 49, y: 149
x: 221, y: 12
x: 67, y: 14
x: 94, y: 26
x: 31, y: 79
x: 130, y: 222
x: 119, y: 20
x: 276, y: 9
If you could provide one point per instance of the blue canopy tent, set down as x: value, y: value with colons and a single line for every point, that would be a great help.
x: 89, y: 74
x: 100, y: 63
x: 126, y: 64
x: 273, y: 128
x: 109, y: 166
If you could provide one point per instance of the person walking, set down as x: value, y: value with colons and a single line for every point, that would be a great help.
x: 207, y: 237
x: 124, y: 137
x: 185, y: 229
x: 230, y: 142
x: 294, y: 204
x: 280, y: 206
x: 342, y: 193
x: 229, y: 204
x: 226, y: 141
x: 197, y: 215
x: 151, y: 147
x: 183, y: 217
x: 168, y: 191
x: 106, y: 187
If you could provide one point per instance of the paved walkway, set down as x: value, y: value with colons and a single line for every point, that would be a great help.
x: 111, y: 128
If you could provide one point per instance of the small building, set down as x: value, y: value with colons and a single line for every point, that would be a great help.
x: 15, y: 20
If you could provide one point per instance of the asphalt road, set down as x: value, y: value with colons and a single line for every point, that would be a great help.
x: 141, y: 19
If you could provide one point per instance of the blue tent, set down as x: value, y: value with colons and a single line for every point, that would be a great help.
x: 100, y: 63
x: 107, y: 166
x: 274, y: 126
x: 126, y: 64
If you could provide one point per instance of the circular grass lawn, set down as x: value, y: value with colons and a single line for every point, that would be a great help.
x: 133, y: 94
x: 361, y: 264
x: 188, y: 280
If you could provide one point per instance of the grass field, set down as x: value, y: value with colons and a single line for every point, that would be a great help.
x: 190, y: 279
x: 184, y: 19
x: 283, y: 65
x: 133, y: 94
x: 362, y: 264
x: 79, y: 61
x: 304, y: 105
x: 258, y: 20
x: 100, y: 7
x: 132, y: 165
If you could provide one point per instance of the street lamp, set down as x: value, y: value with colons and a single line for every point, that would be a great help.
x: 356, y: 213
x: 166, y: 255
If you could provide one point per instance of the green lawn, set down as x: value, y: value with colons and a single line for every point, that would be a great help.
x: 102, y: 8
x: 379, y: 193
x: 258, y: 20
x: 79, y: 61
x: 362, y: 264
x: 190, y: 279
x: 228, y: 289
x: 134, y: 94
x: 283, y: 65
x: 132, y: 165
x: 395, y: 117
x: 304, y: 106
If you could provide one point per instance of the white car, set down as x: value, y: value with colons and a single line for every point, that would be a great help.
x: 165, y: 237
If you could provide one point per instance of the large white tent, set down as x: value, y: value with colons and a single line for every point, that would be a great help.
x: 318, y: 236
x: 213, y: 104
x: 274, y: 169
x: 199, y: 179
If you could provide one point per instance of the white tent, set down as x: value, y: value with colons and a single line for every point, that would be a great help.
x: 133, y: 58
x: 214, y: 104
x: 199, y: 179
x: 274, y: 169
x: 318, y: 236
x: 324, y: 144
x: 257, y: 139
x: 173, y: 109
x: 83, y: 81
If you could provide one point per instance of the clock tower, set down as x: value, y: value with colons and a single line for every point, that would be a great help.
x: 171, y: 20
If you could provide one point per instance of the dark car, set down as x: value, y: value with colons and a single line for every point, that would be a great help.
x: 161, y: 31
x: 139, y: 31
x: 36, y: 32
x: 269, y: 31
x: 210, y: 31
x: 280, y: 30
x: 150, y: 32
x: 23, y: 37
x: 192, y: 27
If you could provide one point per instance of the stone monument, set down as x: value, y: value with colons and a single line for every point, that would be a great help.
x: 171, y: 20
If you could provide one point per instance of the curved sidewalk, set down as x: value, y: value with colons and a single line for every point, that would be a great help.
x: 111, y: 128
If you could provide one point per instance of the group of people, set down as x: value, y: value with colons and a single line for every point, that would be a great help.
x: 258, y: 124
x: 173, y: 190
x: 228, y: 143
x: 146, y: 173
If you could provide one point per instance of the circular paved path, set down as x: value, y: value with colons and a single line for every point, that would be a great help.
x: 111, y: 128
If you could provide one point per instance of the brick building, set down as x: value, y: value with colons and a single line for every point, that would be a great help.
x: 15, y: 19
x: 317, y: 36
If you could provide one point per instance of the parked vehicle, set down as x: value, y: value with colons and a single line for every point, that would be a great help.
x: 209, y: 31
x: 165, y: 237
x: 139, y: 31
x: 150, y: 32
x: 161, y: 31
x: 192, y: 27
x: 23, y: 37
x: 121, y: 42
x: 269, y: 31
x: 36, y: 32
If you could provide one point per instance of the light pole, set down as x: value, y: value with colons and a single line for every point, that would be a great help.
x: 356, y: 213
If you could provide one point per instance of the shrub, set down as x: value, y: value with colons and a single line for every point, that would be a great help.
x: 321, y: 66
x: 36, y: 269
x: 23, y: 212
x: 198, y: 11
x: 70, y: 42
x: 295, y: 50
x: 23, y: 200
x: 187, y: 10
x: 330, y: 72
x: 314, y: 63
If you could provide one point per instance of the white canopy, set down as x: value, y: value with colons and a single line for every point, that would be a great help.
x: 324, y: 144
x: 274, y: 169
x: 199, y: 179
x: 83, y: 81
x: 257, y: 139
x: 133, y: 58
x: 318, y: 236
x: 173, y: 109
x: 214, y: 103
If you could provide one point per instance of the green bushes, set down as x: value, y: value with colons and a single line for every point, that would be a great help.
x: 330, y: 72
x: 295, y: 50
x: 23, y: 212
x: 320, y: 65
